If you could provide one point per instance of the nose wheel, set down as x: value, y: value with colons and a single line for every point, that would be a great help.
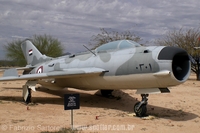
x: 140, y: 108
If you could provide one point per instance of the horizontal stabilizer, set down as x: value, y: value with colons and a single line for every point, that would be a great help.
x: 10, y: 73
x: 28, y: 67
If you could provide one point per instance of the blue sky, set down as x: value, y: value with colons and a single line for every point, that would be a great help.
x: 73, y: 22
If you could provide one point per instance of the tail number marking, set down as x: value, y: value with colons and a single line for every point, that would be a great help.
x: 144, y: 67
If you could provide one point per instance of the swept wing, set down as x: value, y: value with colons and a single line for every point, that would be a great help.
x: 12, y: 74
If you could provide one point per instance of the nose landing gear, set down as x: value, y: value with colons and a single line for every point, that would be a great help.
x: 140, y: 108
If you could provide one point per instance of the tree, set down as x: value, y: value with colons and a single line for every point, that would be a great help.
x: 14, y: 52
x: 187, y: 39
x: 46, y: 44
x: 106, y: 36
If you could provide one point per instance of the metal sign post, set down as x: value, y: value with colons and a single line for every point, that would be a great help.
x: 71, y: 101
x: 72, y: 119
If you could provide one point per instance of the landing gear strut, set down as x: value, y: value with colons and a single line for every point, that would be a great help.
x: 28, y: 99
x: 140, y: 108
x: 27, y: 94
x: 27, y: 89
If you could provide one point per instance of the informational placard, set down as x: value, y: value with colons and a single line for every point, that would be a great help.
x: 72, y: 101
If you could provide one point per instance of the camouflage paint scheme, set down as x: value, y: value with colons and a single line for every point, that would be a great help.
x: 122, y: 64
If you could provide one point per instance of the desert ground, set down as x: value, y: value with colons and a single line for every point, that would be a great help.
x: 175, y: 112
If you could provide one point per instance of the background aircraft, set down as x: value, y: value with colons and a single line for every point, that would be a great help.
x: 122, y: 64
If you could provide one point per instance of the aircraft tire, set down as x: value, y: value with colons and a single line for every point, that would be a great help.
x: 142, y: 110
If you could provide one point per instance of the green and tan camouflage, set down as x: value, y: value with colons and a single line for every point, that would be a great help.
x: 122, y: 64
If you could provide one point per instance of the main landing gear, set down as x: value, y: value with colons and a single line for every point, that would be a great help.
x: 27, y: 94
x: 27, y: 88
x: 28, y: 99
x: 140, y: 108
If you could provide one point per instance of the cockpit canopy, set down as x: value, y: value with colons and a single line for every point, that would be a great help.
x: 117, y: 45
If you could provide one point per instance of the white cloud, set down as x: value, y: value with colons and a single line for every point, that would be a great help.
x: 73, y: 22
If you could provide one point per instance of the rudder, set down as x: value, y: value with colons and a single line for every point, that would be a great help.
x: 32, y: 54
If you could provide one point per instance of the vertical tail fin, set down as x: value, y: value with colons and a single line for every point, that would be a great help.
x: 32, y: 54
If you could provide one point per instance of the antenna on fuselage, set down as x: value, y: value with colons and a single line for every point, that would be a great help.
x: 89, y: 50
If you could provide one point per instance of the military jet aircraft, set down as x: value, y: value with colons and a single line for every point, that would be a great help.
x: 122, y: 64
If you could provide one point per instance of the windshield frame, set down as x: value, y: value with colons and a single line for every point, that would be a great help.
x: 117, y: 45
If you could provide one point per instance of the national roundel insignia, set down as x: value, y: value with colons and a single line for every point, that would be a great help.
x: 40, y: 69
